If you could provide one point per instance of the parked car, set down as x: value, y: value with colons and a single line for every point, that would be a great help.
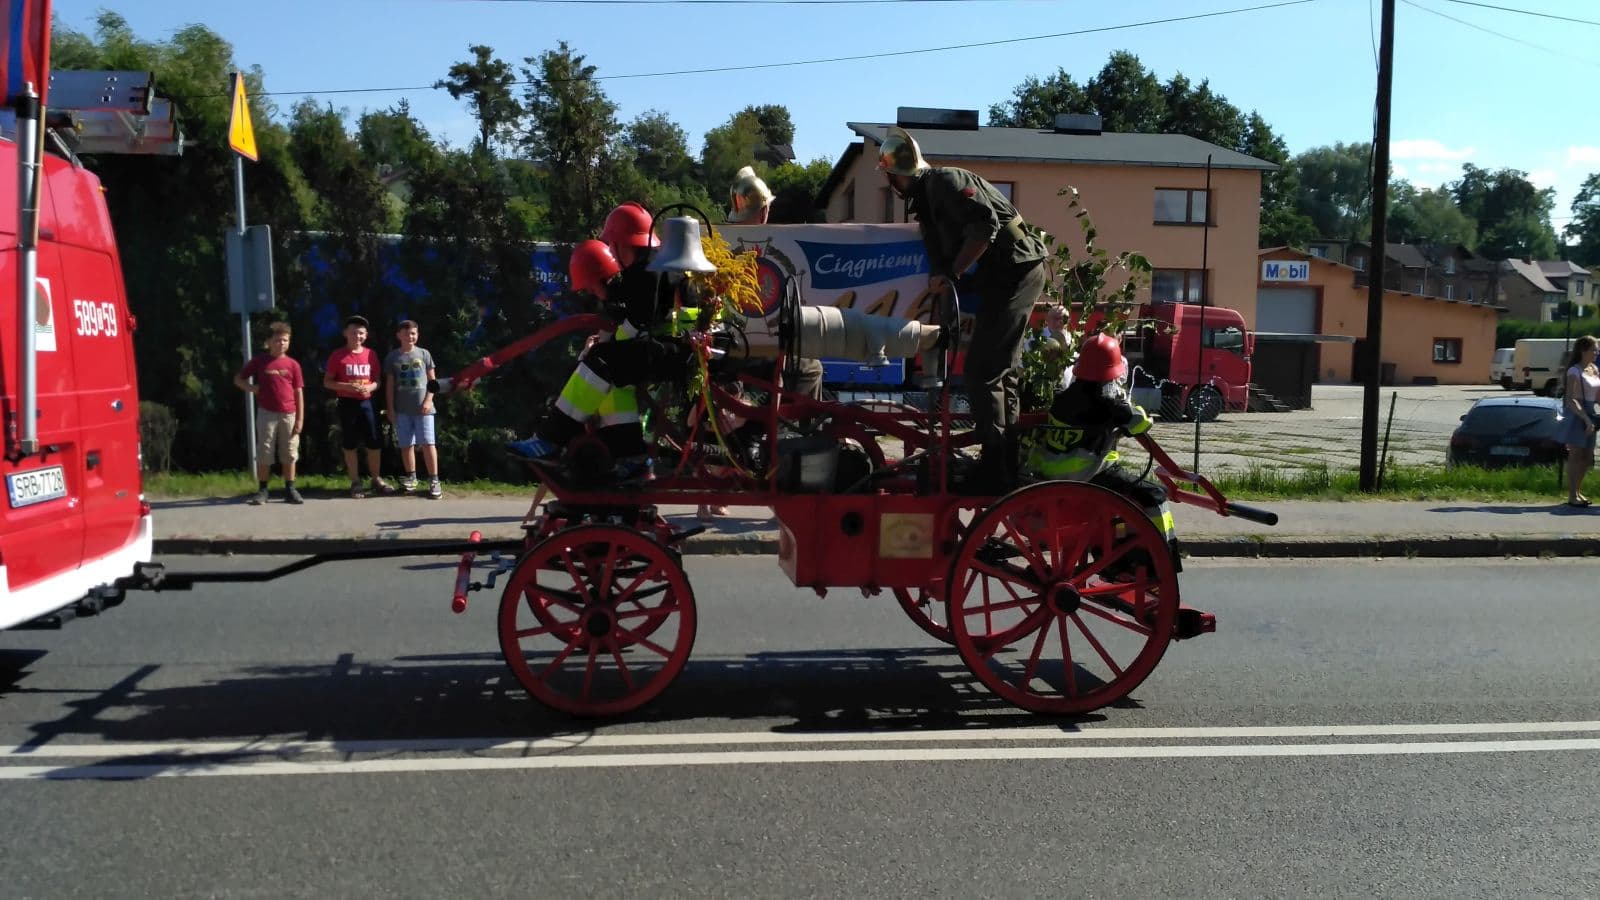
x: 1509, y: 431
x: 1501, y: 367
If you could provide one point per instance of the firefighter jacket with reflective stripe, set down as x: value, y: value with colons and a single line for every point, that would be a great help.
x: 1086, y: 421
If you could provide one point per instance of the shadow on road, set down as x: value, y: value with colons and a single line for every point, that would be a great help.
x: 474, y: 695
x: 407, y: 524
x: 1558, y: 507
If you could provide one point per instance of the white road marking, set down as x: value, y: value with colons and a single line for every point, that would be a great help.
x: 748, y: 738
x: 191, y: 768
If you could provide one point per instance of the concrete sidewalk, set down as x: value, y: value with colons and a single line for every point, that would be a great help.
x: 1305, y: 529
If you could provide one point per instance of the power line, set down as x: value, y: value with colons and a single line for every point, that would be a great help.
x: 1498, y: 34
x: 742, y: 2
x: 1525, y: 12
x: 837, y: 59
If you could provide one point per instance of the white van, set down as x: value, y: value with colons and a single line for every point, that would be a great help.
x: 1538, y: 363
x: 1500, y: 368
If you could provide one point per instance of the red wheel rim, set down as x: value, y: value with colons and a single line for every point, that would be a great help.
x: 597, y: 620
x: 1035, y: 574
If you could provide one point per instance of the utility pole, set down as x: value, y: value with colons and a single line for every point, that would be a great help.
x: 1380, y: 252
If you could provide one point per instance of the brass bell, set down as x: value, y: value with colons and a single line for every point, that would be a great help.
x: 680, y: 249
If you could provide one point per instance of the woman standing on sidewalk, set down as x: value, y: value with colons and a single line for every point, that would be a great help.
x: 1582, y: 390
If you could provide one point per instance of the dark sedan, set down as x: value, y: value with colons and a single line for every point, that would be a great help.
x: 1509, y: 431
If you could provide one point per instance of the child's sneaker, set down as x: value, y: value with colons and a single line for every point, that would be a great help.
x: 533, y: 448
x: 258, y: 498
x: 292, y: 495
x: 408, y: 484
x: 635, y: 468
x: 357, y: 492
x: 434, y: 490
x: 381, y: 487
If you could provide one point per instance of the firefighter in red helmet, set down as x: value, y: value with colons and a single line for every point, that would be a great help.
x: 613, y: 269
x: 1087, y: 419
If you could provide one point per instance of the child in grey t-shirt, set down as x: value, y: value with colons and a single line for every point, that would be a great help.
x: 408, y: 370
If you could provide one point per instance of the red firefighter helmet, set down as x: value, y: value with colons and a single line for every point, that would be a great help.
x: 629, y: 225
x: 1100, y: 360
x: 592, y: 265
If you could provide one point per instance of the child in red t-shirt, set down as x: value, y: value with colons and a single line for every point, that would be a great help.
x: 280, y: 396
x: 352, y: 375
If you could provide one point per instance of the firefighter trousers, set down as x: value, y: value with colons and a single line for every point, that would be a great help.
x: 603, y: 387
x: 994, y: 355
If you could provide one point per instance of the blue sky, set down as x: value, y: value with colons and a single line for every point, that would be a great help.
x: 1461, y: 94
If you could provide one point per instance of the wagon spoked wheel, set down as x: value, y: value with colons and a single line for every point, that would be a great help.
x: 925, y: 606
x: 597, y: 620
x: 1078, y: 582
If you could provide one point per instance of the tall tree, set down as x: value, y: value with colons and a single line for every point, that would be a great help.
x: 659, y: 148
x: 1202, y: 113
x: 1127, y: 96
x: 1584, y: 229
x: 1035, y: 102
x: 1513, y: 215
x: 1428, y: 216
x: 1336, y: 191
x: 796, y: 188
x: 728, y: 148
x: 1282, y: 223
x: 773, y: 118
x: 569, y: 131
x: 188, y: 342
x: 485, y: 80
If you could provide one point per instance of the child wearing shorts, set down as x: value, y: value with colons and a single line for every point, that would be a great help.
x: 409, y: 369
x: 280, y: 396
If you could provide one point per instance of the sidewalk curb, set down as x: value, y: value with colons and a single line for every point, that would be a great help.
x: 1343, y: 547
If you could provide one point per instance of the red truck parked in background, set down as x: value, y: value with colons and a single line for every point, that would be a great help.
x: 1196, y: 359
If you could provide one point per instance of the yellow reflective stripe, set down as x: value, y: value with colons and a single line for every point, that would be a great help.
x: 1164, y: 521
x: 1142, y: 423
x: 583, y: 393
x: 620, y: 406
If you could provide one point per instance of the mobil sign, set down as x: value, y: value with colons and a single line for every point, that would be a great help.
x: 1285, y: 270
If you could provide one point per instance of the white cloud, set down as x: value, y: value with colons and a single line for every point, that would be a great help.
x: 1583, y: 156
x: 1400, y: 171
x: 1428, y: 149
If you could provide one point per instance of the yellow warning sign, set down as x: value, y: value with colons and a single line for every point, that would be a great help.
x: 241, y: 134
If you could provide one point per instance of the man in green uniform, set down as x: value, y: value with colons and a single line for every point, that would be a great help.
x: 965, y: 221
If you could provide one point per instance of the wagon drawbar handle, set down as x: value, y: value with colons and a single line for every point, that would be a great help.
x: 1251, y: 513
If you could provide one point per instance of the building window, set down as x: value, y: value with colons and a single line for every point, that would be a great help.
x: 1447, y: 350
x: 1359, y: 263
x: 1449, y: 292
x: 1449, y: 265
x: 1176, y: 206
x: 1319, y: 252
x: 1178, y: 286
x: 1580, y: 287
x: 1007, y: 190
x: 1469, y: 295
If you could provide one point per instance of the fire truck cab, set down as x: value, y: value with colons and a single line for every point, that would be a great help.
x: 74, y: 518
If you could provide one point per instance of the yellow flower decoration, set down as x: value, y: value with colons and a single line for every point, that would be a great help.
x: 735, y: 284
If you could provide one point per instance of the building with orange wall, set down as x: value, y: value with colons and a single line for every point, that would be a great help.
x: 1146, y: 193
x: 1425, y: 339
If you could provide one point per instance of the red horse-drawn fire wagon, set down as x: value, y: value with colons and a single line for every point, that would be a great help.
x: 1059, y: 596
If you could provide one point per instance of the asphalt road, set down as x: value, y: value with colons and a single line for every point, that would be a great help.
x: 1360, y: 728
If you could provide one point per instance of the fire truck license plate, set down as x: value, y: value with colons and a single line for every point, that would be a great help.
x: 36, y: 486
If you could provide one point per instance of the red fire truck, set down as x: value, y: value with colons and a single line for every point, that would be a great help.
x: 74, y: 518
